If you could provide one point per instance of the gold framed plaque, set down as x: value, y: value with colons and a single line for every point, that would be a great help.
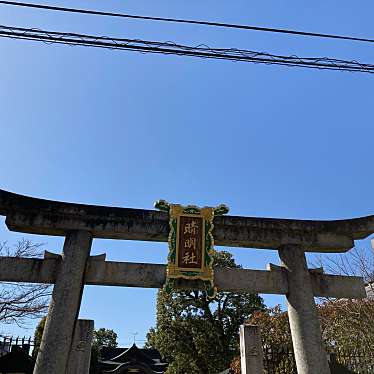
x: 191, y: 243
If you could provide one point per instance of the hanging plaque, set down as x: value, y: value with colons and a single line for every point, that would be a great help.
x: 191, y: 243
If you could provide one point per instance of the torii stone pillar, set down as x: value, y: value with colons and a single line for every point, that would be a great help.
x: 307, y: 342
x: 45, y: 217
x: 63, y: 310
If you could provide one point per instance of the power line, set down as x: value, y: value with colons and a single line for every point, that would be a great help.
x: 170, y: 48
x: 194, y: 22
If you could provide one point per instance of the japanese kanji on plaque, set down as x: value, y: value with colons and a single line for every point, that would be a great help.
x: 191, y: 243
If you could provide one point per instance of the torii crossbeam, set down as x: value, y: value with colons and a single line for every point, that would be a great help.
x: 81, y: 223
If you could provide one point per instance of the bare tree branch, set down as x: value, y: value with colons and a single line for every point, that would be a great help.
x: 22, y: 301
x: 356, y: 262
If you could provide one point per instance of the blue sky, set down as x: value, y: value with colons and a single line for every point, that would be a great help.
x: 125, y: 129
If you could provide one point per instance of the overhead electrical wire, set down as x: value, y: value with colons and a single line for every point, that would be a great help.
x: 185, y: 21
x: 170, y: 48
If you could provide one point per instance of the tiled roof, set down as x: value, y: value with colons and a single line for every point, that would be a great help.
x: 118, y: 360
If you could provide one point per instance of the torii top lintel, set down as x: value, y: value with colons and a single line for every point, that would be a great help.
x: 46, y: 217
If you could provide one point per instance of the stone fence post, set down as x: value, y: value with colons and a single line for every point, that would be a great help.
x: 80, y: 353
x: 251, y: 356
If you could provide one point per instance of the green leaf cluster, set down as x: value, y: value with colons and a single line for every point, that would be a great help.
x: 38, y: 333
x: 197, y: 335
x: 101, y: 338
x: 105, y: 338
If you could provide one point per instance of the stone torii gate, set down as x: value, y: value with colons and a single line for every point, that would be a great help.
x: 80, y: 224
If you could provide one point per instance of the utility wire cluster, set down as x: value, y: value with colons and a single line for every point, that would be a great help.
x: 184, y: 21
x: 170, y: 48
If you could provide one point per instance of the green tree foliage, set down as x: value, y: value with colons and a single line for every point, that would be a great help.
x: 346, y: 327
x: 346, y: 324
x: 105, y: 338
x: 197, y: 335
x: 101, y: 338
x: 275, y: 327
x: 38, y: 333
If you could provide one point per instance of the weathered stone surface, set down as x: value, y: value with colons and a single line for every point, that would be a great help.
x: 32, y: 270
x: 310, y: 355
x: 251, y: 356
x: 339, y: 286
x: 328, y: 285
x: 127, y: 274
x: 80, y: 352
x: 80, y: 223
x: 63, y: 310
x: 31, y: 215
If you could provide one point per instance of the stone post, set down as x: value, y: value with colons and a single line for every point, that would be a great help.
x: 80, y: 352
x: 307, y: 343
x: 251, y: 356
x: 65, y: 303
